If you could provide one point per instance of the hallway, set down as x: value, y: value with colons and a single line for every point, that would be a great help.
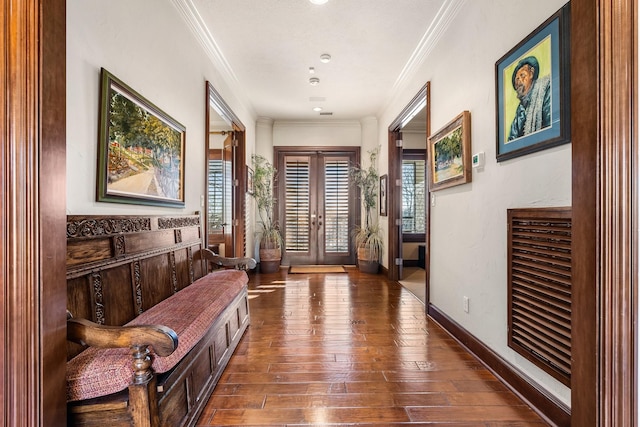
x: 353, y: 349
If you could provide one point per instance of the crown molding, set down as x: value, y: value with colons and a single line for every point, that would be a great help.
x: 430, y: 39
x: 196, y: 24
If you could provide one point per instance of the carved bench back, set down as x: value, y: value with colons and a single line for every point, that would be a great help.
x: 119, y: 266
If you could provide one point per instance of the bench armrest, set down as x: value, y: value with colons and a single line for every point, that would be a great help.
x: 163, y: 339
x: 220, y: 261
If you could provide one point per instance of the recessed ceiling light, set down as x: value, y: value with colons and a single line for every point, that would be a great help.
x: 318, y: 1
x: 313, y: 81
x: 312, y: 70
x: 325, y: 57
x: 317, y: 109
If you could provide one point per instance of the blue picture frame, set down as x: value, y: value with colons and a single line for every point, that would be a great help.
x: 533, y: 109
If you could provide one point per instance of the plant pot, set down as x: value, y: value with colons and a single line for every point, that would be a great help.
x: 269, y: 260
x: 370, y: 267
x: 365, y: 263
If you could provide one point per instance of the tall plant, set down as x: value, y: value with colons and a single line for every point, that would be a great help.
x: 367, y: 180
x: 369, y: 236
x: 264, y: 174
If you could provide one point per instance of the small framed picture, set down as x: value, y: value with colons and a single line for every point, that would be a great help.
x: 383, y: 195
x: 249, y: 180
x: 449, y: 154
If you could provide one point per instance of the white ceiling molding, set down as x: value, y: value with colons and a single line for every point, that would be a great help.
x: 192, y: 17
x: 439, y: 25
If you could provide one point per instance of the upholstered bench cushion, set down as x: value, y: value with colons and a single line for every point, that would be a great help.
x: 190, y: 313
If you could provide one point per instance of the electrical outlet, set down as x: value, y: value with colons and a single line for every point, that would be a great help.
x: 465, y: 304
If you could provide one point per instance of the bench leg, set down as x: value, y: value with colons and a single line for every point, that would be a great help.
x: 143, y: 401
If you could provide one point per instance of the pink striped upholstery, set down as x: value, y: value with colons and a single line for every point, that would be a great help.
x: 190, y: 313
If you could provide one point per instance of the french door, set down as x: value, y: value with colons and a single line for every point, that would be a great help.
x: 317, y: 207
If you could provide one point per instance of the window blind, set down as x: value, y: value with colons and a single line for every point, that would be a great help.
x: 297, y: 208
x: 336, y: 205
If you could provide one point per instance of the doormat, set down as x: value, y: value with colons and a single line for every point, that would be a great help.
x: 298, y: 269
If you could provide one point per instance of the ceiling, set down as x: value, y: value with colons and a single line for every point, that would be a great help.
x: 264, y: 49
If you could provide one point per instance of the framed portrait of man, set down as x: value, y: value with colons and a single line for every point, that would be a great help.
x: 532, y: 91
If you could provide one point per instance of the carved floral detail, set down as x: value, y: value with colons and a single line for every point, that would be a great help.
x: 119, y: 246
x: 98, y: 298
x: 137, y: 286
x: 176, y: 222
x: 89, y: 227
x: 174, y: 275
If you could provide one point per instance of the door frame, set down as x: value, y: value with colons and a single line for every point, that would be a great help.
x: 604, y: 91
x: 33, y: 228
x: 278, y: 150
x: 395, y: 189
x: 239, y: 170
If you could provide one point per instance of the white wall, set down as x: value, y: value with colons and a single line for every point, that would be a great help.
x: 469, y: 222
x: 414, y: 140
x: 146, y: 44
x: 319, y: 134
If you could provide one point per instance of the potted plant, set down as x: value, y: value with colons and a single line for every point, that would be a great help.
x: 268, y: 233
x: 367, y: 238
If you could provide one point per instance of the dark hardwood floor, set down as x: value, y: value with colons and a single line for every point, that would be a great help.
x: 353, y: 349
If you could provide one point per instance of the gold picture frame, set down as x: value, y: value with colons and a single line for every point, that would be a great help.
x: 449, y: 154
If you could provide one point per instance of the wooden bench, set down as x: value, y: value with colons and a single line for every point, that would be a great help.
x: 150, y: 328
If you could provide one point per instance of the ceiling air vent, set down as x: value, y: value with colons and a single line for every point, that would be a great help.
x: 326, y: 113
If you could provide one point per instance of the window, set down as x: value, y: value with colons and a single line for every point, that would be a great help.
x: 215, y: 193
x: 414, y: 195
x: 298, y: 210
x: 336, y: 205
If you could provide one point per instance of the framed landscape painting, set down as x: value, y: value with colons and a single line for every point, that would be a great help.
x: 449, y: 154
x: 140, y: 149
x: 532, y: 91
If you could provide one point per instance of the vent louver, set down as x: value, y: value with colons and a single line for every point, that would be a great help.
x: 539, y: 293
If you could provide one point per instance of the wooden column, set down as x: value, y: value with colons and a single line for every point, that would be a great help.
x: 603, y: 58
x: 617, y: 371
x: 32, y: 230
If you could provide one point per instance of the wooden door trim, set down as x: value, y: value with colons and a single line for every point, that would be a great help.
x: 617, y: 335
x: 239, y: 193
x: 33, y: 229
x: 395, y: 192
x: 604, y: 149
x: 239, y: 200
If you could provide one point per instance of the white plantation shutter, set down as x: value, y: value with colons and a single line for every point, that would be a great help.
x: 336, y: 205
x: 297, y: 209
x: 215, y: 193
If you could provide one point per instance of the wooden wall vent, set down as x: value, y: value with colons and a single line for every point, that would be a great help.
x: 539, y: 293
